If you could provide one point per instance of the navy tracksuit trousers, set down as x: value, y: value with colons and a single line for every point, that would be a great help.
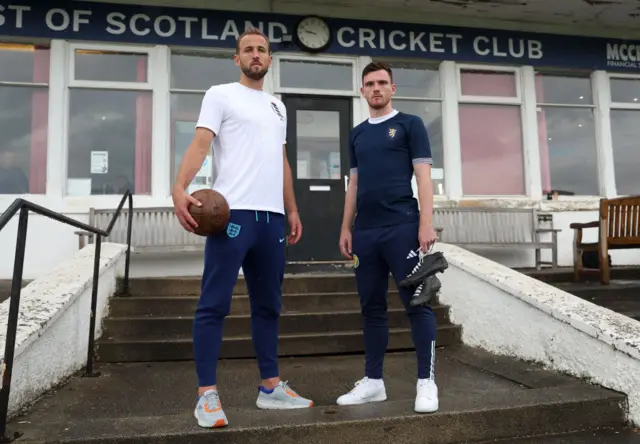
x: 379, y: 251
x: 255, y: 241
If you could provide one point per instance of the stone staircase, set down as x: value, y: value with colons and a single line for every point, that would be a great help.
x: 321, y: 316
x: 146, y: 389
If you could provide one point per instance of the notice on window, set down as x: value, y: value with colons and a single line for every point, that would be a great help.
x: 437, y: 173
x: 99, y: 162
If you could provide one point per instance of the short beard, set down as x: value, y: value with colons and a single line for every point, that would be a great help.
x: 378, y: 105
x: 253, y: 75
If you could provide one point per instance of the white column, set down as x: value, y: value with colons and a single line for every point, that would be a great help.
x: 451, y: 131
x: 531, y: 146
x: 361, y: 111
x: 602, y: 99
x: 269, y: 85
x: 58, y: 120
x: 160, y: 65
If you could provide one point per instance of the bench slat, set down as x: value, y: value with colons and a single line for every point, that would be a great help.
x: 158, y: 229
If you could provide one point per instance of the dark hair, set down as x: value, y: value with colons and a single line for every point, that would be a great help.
x: 377, y: 66
x: 252, y: 31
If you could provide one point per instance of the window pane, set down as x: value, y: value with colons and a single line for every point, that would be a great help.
x: 431, y: 115
x: 492, y: 151
x: 625, y: 90
x: 568, y: 157
x: 109, y: 142
x: 414, y: 80
x: 488, y: 83
x: 110, y: 66
x: 24, y: 63
x: 625, y: 133
x: 185, y: 109
x: 201, y: 71
x: 316, y: 75
x: 563, y: 89
x: 318, y: 144
x: 23, y: 140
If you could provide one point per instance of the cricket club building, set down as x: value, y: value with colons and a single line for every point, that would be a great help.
x: 99, y: 97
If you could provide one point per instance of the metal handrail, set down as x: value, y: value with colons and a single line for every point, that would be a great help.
x: 23, y: 207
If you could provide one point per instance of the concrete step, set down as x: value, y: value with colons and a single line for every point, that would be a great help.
x: 157, y: 327
x: 565, y: 274
x: 618, y: 435
x: 483, y: 397
x: 615, y: 291
x: 291, y: 303
x: 293, y: 283
x: 621, y: 296
x: 310, y: 344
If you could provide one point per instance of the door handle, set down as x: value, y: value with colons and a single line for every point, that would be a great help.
x: 346, y: 183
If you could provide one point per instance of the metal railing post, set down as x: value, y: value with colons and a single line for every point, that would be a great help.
x: 94, y: 304
x: 12, y: 325
x: 22, y: 206
x: 128, y: 255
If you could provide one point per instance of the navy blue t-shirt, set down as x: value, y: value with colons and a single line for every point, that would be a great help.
x: 383, y: 153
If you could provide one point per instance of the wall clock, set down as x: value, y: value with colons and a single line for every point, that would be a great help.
x: 313, y: 34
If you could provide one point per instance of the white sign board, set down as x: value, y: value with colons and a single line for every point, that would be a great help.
x: 99, y: 162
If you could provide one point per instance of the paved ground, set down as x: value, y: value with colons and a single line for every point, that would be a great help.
x: 607, y: 436
x: 157, y: 399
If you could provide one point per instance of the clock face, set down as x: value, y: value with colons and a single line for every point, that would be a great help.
x: 313, y: 33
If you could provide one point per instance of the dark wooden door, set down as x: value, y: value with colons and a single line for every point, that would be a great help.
x: 318, y: 152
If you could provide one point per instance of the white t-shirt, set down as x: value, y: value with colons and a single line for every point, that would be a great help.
x: 250, y: 128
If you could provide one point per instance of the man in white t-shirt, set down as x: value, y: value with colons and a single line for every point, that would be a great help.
x: 248, y: 128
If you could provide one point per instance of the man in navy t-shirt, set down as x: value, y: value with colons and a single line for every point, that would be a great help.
x: 389, y: 231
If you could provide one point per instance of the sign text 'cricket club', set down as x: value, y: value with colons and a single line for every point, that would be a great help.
x: 125, y: 23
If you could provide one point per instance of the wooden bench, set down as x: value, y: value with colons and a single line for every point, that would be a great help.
x: 153, y: 230
x: 496, y: 228
x: 618, y: 229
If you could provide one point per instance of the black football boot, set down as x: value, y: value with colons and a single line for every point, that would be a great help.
x: 425, y: 291
x: 431, y: 264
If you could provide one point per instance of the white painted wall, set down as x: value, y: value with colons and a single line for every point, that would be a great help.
x: 53, y: 324
x: 508, y: 313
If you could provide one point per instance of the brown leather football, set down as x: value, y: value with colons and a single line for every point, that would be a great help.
x: 213, y: 216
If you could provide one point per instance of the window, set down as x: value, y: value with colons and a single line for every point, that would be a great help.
x: 491, y: 141
x: 324, y: 74
x: 24, y: 96
x: 625, y: 132
x: 566, y: 134
x: 192, y: 74
x: 418, y: 93
x: 110, y: 122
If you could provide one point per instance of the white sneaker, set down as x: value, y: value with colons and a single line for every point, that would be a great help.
x: 365, y: 390
x: 426, y: 396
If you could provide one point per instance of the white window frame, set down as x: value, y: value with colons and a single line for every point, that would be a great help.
x: 531, y: 166
x: 142, y: 50
x: 517, y: 100
x: 592, y: 106
x: 181, y: 50
x: 617, y: 106
x: 623, y: 105
x: 336, y: 60
x: 433, y: 65
x: 7, y: 199
x: 156, y: 84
